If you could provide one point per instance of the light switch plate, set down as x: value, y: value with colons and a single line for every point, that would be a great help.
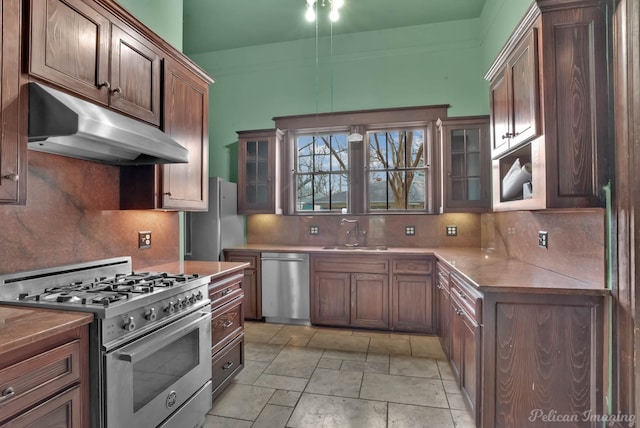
x: 452, y: 230
x: 410, y: 230
x: 314, y: 230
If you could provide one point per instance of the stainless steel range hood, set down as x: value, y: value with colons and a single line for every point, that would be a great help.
x: 65, y: 125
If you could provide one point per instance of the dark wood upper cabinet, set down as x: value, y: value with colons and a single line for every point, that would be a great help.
x: 514, y: 97
x: 135, y: 76
x: 549, y: 107
x: 466, y: 164
x: 186, y: 118
x: 13, y: 144
x: 183, y: 187
x: 79, y: 47
x: 258, y: 175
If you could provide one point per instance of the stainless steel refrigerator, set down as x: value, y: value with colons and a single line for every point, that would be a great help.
x: 208, y: 233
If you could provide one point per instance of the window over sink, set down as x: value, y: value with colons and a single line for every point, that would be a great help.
x: 362, y: 162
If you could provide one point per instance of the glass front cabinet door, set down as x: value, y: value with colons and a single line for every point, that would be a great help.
x: 257, y: 171
x: 465, y: 164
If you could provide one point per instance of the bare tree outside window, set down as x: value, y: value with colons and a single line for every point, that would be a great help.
x: 321, y: 172
x: 396, y: 170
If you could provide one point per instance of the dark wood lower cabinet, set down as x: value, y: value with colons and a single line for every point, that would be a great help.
x: 227, y: 329
x: 373, y: 291
x: 370, y: 300
x: 46, y: 383
x: 251, y: 283
x: 543, y: 354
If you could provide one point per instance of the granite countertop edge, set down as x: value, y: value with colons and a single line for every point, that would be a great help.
x: 483, y: 268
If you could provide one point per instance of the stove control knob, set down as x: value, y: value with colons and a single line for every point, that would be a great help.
x: 193, y: 298
x: 180, y: 304
x: 170, y: 308
x: 199, y: 295
x: 151, y: 315
x: 130, y: 324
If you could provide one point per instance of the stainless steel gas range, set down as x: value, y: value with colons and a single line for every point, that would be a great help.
x: 150, y: 341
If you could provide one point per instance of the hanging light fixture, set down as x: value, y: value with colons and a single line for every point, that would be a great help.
x: 334, y: 7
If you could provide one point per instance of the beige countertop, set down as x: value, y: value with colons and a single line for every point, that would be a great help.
x: 20, y: 326
x: 484, y: 269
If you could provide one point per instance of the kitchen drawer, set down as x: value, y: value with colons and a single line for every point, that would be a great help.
x: 232, y: 256
x: 36, y: 378
x: 225, y: 290
x: 226, y: 364
x: 62, y: 410
x: 470, y: 300
x: 226, y: 323
x: 412, y: 265
x: 352, y: 264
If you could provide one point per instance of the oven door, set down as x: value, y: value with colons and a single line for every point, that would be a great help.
x: 150, y: 378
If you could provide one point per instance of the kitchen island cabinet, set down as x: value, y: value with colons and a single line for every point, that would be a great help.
x: 251, y: 284
x: 44, y: 368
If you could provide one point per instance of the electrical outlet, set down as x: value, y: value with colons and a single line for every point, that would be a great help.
x: 410, y: 230
x: 452, y: 230
x: 314, y: 230
x: 144, y: 239
x: 543, y: 239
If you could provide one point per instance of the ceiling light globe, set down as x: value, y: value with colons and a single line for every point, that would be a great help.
x: 310, y: 15
x: 334, y: 15
x: 338, y: 3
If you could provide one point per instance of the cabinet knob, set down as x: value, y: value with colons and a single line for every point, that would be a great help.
x: 167, y: 193
x: 12, y: 177
x: 105, y: 84
x: 116, y: 90
x: 7, y: 393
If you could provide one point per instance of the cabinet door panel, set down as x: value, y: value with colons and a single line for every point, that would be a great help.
x: 524, y: 86
x: 370, y: 300
x: 412, y: 303
x: 332, y: 295
x: 135, y: 76
x: 186, y: 115
x: 70, y: 46
x: 500, y: 111
x: 470, y: 362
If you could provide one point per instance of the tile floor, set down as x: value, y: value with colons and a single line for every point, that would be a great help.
x: 298, y: 376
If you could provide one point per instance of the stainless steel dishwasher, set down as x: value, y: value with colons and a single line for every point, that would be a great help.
x: 285, y: 288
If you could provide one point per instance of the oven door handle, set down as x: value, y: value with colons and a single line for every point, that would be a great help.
x: 147, y: 346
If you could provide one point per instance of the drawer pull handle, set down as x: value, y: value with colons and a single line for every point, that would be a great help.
x: 7, y: 393
x: 461, y: 294
x: 227, y: 324
x: 226, y: 291
x: 227, y: 365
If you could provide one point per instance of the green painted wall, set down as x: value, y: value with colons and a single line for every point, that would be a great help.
x: 162, y: 16
x: 420, y: 65
x: 433, y: 64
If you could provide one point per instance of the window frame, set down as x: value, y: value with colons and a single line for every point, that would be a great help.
x: 360, y: 122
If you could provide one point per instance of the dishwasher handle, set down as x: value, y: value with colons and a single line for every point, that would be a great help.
x: 297, y: 259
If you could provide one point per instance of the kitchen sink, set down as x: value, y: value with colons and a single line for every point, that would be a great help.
x: 356, y: 247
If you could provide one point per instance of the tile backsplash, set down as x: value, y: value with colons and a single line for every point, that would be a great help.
x: 429, y: 230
